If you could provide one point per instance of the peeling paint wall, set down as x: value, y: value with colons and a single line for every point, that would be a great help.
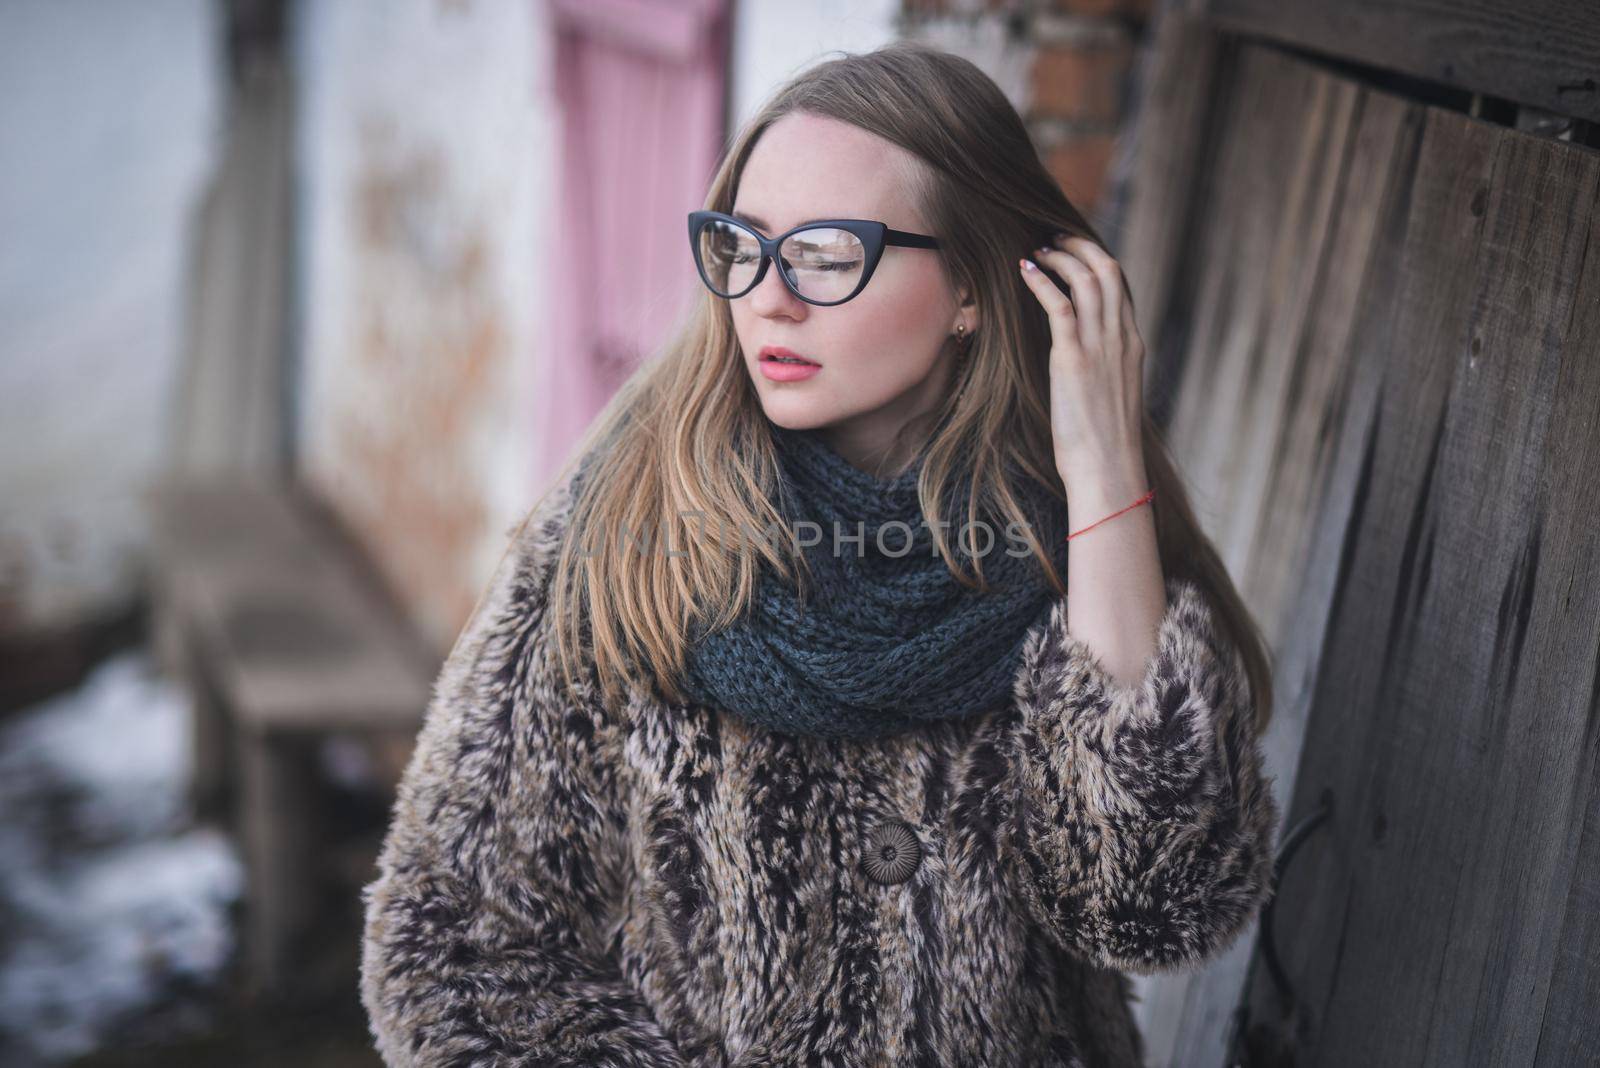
x: 426, y: 172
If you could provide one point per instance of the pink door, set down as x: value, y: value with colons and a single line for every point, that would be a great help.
x: 641, y: 85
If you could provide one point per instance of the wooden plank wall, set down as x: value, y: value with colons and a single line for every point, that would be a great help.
x: 1539, y: 52
x: 1381, y: 325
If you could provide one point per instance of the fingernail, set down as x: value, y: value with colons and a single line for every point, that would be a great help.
x: 1028, y: 265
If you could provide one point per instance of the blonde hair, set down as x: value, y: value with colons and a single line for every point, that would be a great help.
x: 686, y: 436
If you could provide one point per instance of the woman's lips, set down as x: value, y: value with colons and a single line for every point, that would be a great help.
x: 784, y: 371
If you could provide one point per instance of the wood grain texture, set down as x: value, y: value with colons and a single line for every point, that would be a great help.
x: 1541, y: 52
x: 1379, y: 322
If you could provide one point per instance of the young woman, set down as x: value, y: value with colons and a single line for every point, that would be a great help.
x: 868, y: 793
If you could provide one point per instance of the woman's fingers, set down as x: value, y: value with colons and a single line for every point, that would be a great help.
x: 1132, y: 342
x: 1063, y: 318
x: 1084, y: 290
x: 1108, y: 272
x: 1098, y: 400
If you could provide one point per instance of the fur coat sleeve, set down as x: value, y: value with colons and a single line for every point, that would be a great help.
x: 1142, y: 825
x: 485, y: 937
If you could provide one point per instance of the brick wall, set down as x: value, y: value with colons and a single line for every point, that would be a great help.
x: 1067, y: 65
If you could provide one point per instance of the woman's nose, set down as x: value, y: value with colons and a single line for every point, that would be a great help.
x: 771, y: 295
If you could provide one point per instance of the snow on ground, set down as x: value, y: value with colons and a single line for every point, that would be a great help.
x: 109, y: 899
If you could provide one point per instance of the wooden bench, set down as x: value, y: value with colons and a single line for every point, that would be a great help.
x: 285, y: 638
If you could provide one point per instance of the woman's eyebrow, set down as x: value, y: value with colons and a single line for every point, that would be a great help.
x: 755, y: 220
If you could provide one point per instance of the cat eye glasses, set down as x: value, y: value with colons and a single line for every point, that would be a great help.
x: 823, y: 262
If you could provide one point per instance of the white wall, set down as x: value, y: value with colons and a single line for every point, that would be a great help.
x: 426, y: 173
x: 108, y: 127
x: 774, y: 39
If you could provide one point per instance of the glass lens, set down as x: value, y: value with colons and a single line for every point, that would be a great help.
x: 822, y: 262
x: 729, y: 256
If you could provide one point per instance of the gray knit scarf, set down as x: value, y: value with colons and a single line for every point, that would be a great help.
x: 884, y: 639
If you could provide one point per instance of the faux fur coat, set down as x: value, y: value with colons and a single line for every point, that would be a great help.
x: 672, y: 886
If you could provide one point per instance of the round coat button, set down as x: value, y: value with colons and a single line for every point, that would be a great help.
x: 892, y: 852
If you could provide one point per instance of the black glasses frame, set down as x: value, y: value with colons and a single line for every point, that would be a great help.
x: 874, y: 237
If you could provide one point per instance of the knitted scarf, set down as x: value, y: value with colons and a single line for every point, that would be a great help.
x: 883, y: 639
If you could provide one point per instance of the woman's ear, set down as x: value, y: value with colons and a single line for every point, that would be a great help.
x: 966, y: 300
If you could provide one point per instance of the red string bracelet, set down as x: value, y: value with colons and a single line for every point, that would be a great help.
x: 1142, y: 500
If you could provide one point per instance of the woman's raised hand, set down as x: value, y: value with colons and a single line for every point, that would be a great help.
x: 1096, y: 357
